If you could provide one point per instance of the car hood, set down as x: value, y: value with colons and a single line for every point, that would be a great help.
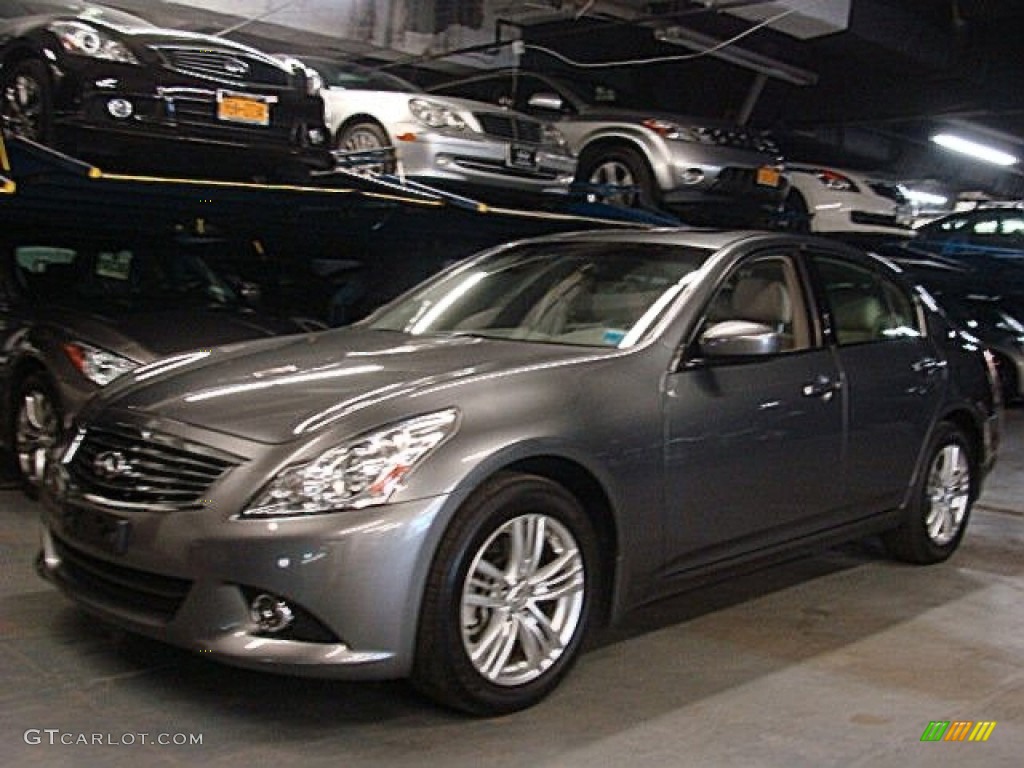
x: 344, y: 96
x: 146, y: 336
x: 273, y: 391
x: 623, y: 115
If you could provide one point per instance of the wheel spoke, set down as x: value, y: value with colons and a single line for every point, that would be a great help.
x: 37, y: 411
x: 536, y: 536
x: 547, y: 636
x: 950, y: 465
x: 562, y: 568
x: 484, y: 600
x: 500, y: 649
x: 516, y: 549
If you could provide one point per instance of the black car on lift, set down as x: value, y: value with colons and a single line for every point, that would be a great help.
x: 113, y: 89
x: 79, y: 308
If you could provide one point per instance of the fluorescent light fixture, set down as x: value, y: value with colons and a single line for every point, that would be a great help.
x: 974, y: 149
x: 920, y: 197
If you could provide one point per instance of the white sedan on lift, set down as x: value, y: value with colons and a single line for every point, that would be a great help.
x: 823, y: 199
x: 440, y: 140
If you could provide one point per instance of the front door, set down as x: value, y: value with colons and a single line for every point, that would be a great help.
x: 754, y: 444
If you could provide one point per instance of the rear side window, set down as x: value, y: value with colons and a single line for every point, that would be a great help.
x: 866, y: 306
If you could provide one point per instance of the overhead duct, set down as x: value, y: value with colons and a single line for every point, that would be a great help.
x: 800, y: 18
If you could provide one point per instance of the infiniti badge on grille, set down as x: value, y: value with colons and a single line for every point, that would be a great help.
x: 111, y: 464
x: 236, y: 67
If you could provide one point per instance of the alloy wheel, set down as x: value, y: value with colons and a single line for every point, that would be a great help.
x: 613, y: 173
x: 522, y: 600
x: 36, y: 431
x: 948, y: 493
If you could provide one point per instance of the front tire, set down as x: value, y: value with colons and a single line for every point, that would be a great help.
x: 936, y: 517
x: 508, y: 598
x: 26, y: 101
x: 620, y: 177
x: 365, y: 136
x: 37, y: 426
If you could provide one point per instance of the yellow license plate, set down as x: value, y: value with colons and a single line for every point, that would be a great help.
x: 243, y: 109
x: 768, y: 177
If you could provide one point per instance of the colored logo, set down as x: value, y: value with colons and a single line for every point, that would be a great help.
x: 958, y: 730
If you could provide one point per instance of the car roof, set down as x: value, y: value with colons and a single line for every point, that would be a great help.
x: 711, y: 239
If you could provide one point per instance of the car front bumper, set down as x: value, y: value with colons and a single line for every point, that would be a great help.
x: 138, y: 114
x: 484, y: 163
x: 352, y: 581
x: 840, y: 217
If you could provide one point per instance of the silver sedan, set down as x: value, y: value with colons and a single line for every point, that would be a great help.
x: 440, y: 140
x: 525, y: 447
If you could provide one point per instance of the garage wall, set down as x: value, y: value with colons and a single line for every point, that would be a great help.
x: 408, y: 26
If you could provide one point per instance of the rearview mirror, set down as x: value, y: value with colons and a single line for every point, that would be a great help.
x: 739, y: 338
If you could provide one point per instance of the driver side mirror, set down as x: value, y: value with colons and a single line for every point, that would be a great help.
x: 739, y: 338
x: 550, y: 102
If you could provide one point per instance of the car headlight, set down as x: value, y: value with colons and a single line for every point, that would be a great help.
x: 82, y: 39
x: 97, y: 365
x: 362, y: 472
x: 436, y: 115
x: 836, y: 181
x: 670, y: 130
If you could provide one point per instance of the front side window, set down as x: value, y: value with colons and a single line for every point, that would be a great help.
x: 765, y: 291
x: 587, y: 294
x: 864, y: 305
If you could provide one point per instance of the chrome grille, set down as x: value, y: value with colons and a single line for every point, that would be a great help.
x: 127, y: 468
x: 509, y: 127
x: 888, y: 190
x: 226, y: 66
x: 739, y: 138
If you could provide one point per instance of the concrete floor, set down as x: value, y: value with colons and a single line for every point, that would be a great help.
x: 837, y: 660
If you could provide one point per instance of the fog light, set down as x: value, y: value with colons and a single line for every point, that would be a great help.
x: 315, y: 137
x: 693, y: 176
x: 120, y: 108
x: 270, y: 613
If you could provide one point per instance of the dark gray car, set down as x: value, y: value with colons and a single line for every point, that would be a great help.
x: 78, y: 309
x: 536, y: 441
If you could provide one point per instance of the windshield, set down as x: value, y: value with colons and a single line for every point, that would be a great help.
x: 353, y: 77
x: 588, y: 294
x: 85, y: 11
x: 99, y: 277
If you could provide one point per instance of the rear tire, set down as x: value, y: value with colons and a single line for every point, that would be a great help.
x: 508, y: 598
x: 936, y: 518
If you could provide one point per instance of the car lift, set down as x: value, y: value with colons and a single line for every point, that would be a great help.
x: 401, y: 229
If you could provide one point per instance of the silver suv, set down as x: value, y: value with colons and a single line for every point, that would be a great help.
x: 644, y: 158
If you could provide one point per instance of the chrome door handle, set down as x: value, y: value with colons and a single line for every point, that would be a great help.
x: 929, y: 366
x: 823, y: 387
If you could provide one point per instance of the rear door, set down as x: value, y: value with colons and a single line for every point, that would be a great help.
x: 893, y: 375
